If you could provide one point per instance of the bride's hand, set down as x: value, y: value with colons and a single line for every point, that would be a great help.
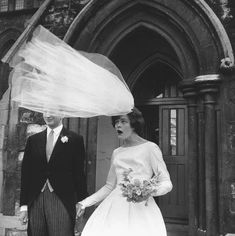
x: 80, y: 210
x: 23, y: 217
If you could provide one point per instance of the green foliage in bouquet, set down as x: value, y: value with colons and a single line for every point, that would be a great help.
x: 135, y: 190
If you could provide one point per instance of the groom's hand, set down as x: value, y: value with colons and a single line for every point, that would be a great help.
x: 80, y: 210
x: 23, y: 217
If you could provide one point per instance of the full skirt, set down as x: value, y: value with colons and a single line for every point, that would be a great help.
x: 115, y: 216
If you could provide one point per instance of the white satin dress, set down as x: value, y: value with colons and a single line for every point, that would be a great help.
x: 115, y: 216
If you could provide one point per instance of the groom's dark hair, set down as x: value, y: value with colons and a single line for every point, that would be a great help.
x: 136, y: 120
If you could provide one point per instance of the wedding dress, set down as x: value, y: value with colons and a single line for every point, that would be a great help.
x: 116, y: 216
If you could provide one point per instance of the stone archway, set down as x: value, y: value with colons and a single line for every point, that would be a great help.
x: 192, y: 29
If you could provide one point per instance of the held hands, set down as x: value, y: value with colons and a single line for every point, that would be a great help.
x: 80, y: 210
x: 23, y: 217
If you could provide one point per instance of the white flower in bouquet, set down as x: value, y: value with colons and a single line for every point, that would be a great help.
x: 136, y: 190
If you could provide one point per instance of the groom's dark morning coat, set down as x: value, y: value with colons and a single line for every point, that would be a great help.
x: 65, y: 169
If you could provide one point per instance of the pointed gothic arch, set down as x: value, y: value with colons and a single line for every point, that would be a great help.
x: 192, y: 30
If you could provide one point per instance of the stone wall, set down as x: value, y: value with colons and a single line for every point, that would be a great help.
x: 227, y: 163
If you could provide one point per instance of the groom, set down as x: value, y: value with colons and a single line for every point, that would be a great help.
x: 52, y: 180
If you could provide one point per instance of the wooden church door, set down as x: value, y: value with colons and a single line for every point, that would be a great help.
x: 173, y: 143
x: 166, y: 125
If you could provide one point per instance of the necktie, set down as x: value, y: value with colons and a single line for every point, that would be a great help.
x: 49, y: 146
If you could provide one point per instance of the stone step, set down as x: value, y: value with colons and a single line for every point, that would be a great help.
x: 12, y: 232
x: 11, y: 226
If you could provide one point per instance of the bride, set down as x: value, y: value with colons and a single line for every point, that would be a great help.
x: 117, y: 214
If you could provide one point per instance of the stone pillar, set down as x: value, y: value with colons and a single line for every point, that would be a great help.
x: 208, y: 88
x: 201, y: 168
x: 189, y: 92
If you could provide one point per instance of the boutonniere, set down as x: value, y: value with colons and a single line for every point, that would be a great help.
x: 64, y: 139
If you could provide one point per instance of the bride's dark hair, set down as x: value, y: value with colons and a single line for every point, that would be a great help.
x: 136, y: 120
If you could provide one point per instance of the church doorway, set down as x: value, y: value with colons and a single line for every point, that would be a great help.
x: 158, y: 97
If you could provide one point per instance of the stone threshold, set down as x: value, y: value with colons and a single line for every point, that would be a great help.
x: 11, y: 226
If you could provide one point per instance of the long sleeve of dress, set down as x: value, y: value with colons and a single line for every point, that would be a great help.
x: 102, y: 193
x: 161, y: 173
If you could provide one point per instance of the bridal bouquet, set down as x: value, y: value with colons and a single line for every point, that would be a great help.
x: 136, y: 190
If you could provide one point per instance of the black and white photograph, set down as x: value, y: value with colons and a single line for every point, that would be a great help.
x: 117, y: 118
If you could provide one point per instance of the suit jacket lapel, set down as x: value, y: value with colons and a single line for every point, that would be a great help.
x: 42, y: 144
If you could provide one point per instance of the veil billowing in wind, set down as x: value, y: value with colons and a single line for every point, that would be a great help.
x: 52, y: 76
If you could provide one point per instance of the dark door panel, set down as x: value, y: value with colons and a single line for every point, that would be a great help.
x: 173, y: 142
x: 166, y: 125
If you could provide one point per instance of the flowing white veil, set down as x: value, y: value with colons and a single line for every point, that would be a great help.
x: 53, y: 77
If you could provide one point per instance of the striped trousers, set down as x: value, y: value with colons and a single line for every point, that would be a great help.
x: 48, y: 216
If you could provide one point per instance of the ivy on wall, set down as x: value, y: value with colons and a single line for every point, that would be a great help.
x: 61, y: 15
x: 222, y: 9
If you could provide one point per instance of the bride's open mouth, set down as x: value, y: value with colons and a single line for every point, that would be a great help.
x: 119, y: 132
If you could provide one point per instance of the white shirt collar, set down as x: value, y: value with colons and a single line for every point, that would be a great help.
x: 56, y: 130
